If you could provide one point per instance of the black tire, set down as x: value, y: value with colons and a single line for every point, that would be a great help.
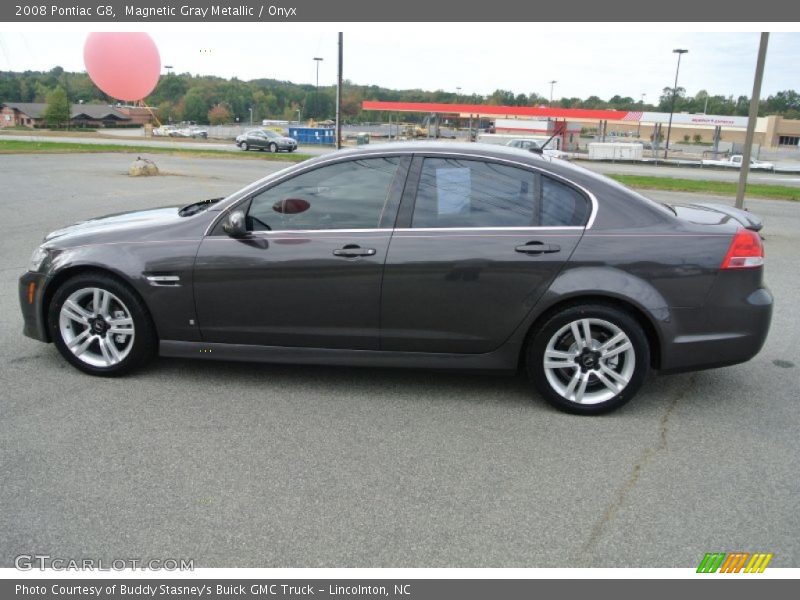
x: 598, y: 397
x: 245, y: 147
x: 273, y: 147
x: 144, y: 344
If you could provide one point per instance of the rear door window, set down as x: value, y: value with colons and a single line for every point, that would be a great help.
x: 454, y: 193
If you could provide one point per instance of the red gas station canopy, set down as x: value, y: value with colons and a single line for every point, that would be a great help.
x: 488, y: 110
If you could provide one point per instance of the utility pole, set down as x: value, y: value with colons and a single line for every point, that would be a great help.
x: 751, y: 121
x: 339, y: 93
x: 679, y: 52
x: 316, y: 94
x: 639, y: 125
x: 552, y: 83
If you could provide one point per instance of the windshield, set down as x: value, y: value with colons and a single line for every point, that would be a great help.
x: 271, y: 134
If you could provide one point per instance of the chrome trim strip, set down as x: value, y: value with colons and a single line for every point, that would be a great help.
x: 163, y: 280
x: 388, y: 231
x: 468, y: 229
x: 433, y: 152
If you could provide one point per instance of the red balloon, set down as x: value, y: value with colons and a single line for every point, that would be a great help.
x: 125, y: 66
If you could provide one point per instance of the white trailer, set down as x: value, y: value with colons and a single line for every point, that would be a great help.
x: 615, y: 151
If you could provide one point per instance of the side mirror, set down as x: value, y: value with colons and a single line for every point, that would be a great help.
x: 235, y: 225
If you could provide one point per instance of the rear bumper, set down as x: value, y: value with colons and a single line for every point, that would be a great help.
x: 31, y: 293
x: 731, y: 328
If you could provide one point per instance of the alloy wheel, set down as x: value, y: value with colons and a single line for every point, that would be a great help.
x: 589, y: 361
x: 96, y: 327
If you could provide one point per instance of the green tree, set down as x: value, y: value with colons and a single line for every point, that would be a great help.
x: 57, y: 111
x: 195, y: 106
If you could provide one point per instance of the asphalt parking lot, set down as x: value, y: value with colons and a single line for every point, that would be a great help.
x: 242, y: 465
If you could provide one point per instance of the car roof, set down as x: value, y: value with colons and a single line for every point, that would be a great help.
x: 471, y: 148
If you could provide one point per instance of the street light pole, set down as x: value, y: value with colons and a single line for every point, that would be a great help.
x: 250, y: 108
x: 639, y: 125
x: 552, y: 83
x: 316, y: 94
x: 679, y: 52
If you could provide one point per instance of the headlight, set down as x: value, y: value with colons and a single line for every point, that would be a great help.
x: 37, y: 258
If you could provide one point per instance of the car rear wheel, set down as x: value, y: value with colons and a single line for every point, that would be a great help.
x: 245, y: 147
x: 273, y: 147
x: 100, y: 326
x: 588, y: 359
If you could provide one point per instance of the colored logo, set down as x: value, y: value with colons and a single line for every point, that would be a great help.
x: 735, y: 562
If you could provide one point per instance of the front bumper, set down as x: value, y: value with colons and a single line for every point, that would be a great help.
x: 31, y: 295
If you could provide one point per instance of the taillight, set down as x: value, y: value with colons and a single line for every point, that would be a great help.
x: 746, y: 251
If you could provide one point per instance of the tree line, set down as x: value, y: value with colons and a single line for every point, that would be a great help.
x: 208, y: 99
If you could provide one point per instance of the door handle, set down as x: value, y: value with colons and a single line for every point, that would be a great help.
x: 538, y: 248
x: 353, y: 251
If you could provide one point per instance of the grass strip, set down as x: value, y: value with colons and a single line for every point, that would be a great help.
x: 701, y: 186
x: 48, y: 147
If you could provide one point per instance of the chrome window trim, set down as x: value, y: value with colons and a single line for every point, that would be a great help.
x: 272, y: 232
x: 423, y: 153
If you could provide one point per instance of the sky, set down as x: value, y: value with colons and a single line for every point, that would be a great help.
x: 478, y: 59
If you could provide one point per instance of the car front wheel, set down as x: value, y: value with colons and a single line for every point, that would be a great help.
x: 100, y: 326
x: 588, y: 359
x: 273, y: 147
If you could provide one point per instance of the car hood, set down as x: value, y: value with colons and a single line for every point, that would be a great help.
x: 116, y: 224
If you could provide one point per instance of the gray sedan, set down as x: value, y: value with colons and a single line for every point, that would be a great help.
x: 451, y: 256
x: 265, y: 139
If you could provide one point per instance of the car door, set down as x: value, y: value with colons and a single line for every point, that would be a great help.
x: 256, y: 139
x: 477, y: 244
x: 308, y: 274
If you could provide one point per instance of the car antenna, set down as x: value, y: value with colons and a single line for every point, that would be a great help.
x: 558, y: 131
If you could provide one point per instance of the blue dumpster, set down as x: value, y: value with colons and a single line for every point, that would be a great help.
x: 313, y: 135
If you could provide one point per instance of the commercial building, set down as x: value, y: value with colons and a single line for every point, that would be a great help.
x: 772, y: 131
x: 31, y: 114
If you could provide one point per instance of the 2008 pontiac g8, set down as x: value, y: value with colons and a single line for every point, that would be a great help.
x: 452, y: 256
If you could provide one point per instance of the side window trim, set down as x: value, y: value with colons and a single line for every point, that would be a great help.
x: 409, y: 199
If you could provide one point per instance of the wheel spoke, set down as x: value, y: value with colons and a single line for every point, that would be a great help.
x: 556, y: 359
x: 107, y: 351
x: 613, y: 386
x: 110, y: 349
x: 96, y: 301
x: 587, y: 332
x: 79, y: 338
x: 576, y: 377
x: 83, y: 346
x: 120, y: 331
x: 613, y: 342
x: 580, y: 342
x: 613, y: 374
x: 105, y: 300
x: 618, y: 350
x: 72, y: 310
x: 582, y: 388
